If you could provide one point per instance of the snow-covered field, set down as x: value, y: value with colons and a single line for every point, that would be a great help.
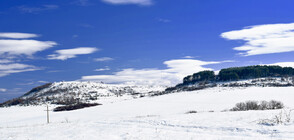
x: 161, y: 117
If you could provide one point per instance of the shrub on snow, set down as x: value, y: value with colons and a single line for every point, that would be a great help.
x: 255, y: 105
x: 284, y: 117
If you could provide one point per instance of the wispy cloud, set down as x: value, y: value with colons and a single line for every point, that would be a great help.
x: 33, y: 83
x: 5, y: 61
x: 54, y: 71
x: 26, y: 84
x: 42, y: 82
x: 19, y: 44
x: 123, y: 2
x: 188, y: 57
x: 264, y: 39
x: 173, y: 74
x: 163, y: 20
x: 85, y: 25
x: 23, y: 47
x: 102, y: 59
x: 18, y: 35
x: 71, y: 53
x: 3, y: 90
x: 103, y: 69
x: 27, y: 9
x: 81, y: 2
x: 7, y: 69
x: 283, y: 64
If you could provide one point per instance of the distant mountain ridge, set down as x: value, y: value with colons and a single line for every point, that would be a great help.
x: 257, y: 82
x: 259, y: 75
x: 65, y: 93
x: 238, y: 73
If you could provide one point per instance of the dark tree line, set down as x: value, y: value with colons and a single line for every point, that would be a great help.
x: 250, y: 72
x: 200, y: 76
x: 239, y: 73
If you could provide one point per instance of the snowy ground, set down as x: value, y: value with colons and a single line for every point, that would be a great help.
x: 162, y: 117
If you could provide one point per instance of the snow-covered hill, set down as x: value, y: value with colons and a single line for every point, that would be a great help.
x: 256, y: 82
x: 73, y: 92
x: 261, y: 82
x: 93, y: 92
x: 159, y: 117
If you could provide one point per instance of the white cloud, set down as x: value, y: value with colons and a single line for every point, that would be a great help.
x: 26, y: 84
x: 3, y: 90
x: 54, y: 71
x: 138, y: 2
x: 33, y: 83
x: 23, y: 47
x: 86, y: 25
x: 103, y: 59
x: 71, y: 53
x: 7, y: 69
x: 17, y: 46
x: 17, y: 35
x: 189, y: 57
x: 176, y: 70
x: 4, y: 61
x: 26, y: 9
x: 43, y: 82
x: 264, y: 39
x: 284, y: 64
x: 164, y: 20
x: 81, y: 2
x: 102, y: 69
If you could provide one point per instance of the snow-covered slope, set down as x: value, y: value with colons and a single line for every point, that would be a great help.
x: 94, y: 92
x: 257, y: 82
x: 261, y: 82
x: 72, y: 92
x: 159, y: 117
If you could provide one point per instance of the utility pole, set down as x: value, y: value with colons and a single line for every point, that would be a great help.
x: 47, y: 113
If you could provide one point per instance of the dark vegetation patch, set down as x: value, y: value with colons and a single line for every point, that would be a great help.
x: 37, y: 89
x: 12, y: 102
x: 255, y: 105
x: 207, y: 79
x: 191, y: 112
x: 239, y: 73
x: 74, y: 107
x: 251, y: 72
x: 21, y: 101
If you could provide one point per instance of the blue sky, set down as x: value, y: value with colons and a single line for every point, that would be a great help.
x: 137, y: 41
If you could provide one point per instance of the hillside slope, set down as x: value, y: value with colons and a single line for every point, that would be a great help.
x: 160, y: 117
x: 256, y: 82
x: 238, y: 73
x: 67, y: 93
x: 74, y: 92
